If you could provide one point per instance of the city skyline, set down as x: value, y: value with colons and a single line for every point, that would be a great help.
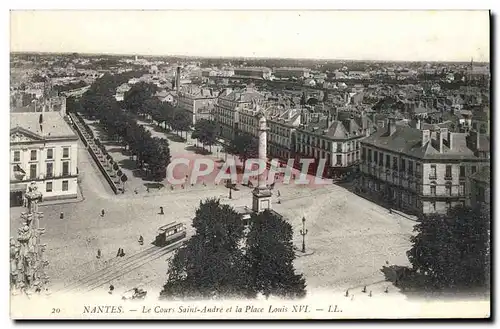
x: 265, y: 34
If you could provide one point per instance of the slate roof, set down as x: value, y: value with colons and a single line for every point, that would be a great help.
x: 54, y: 125
x: 407, y: 140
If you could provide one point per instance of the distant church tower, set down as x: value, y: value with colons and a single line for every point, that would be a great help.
x: 262, y: 194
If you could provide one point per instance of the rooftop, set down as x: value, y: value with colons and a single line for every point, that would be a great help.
x: 53, y: 124
x: 408, y: 141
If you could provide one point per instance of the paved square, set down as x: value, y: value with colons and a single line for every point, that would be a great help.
x: 350, y: 237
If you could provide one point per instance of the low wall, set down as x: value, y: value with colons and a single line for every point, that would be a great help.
x: 76, y: 119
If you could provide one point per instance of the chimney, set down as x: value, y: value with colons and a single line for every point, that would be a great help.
x: 439, y: 137
x: 426, y: 136
x: 450, y: 140
x: 178, y: 79
x: 40, y: 121
x: 391, y: 126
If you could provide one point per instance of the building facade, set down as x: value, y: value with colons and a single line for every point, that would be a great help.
x: 43, y: 151
x: 337, y: 141
x: 418, y: 171
x: 197, y: 102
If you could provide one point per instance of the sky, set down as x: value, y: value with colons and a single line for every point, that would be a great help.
x: 356, y: 35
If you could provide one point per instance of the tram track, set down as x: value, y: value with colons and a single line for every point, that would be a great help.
x: 129, y: 268
x: 82, y: 281
x: 116, y: 270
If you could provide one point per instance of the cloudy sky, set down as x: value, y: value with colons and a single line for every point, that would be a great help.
x: 368, y: 35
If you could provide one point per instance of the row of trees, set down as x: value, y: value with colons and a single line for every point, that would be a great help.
x: 223, y: 260
x: 121, y: 126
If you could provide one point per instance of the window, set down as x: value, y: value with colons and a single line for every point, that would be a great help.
x: 339, y: 160
x: 363, y: 153
x: 17, y: 156
x: 50, y: 170
x: 375, y: 156
x: 387, y: 161
x: 417, y: 169
x: 448, y: 188
x: 473, y: 169
x: 433, y: 188
x: 65, y: 170
x: 433, y: 206
x: 462, y: 171
x: 50, y: 154
x: 480, y: 194
x: 65, y: 152
x: 33, y: 155
x: 461, y: 190
x: 369, y: 155
x: 403, y: 165
x: 381, y: 159
x: 395, y: 163
x: 64, y: 185
x: 432, y: 173
x: 448, y: 171
x: 410, y: 168
x: 448, y: 204
x: 33, y: 171
x: 339, y: 147
x: 48, y: 187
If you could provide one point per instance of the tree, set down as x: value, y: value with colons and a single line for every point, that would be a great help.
x: 244, y: 146
x: 181, y: 122
x: 123, y: 179
x: 270, y: 257
x: 452, y: 250
x: 206, y: 132
x: 209, y: 266
x: 135, y: 98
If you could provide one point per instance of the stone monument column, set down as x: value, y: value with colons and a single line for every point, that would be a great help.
x: 262, y: 194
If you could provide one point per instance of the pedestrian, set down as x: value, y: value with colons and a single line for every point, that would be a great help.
x: 98, y: 253
x: 61, y: 216
x: 135, y: 191
x: 182, y: 186
x: 141, y: 240
x: 102, y: 213
x: 386, y: 290
x: 161, y: 211
x: 364, y: 289
x: 347, y: 293
x: 147, y: 189
x: 279, y: 201
x: 279, y: 194
x: 204, y: 184
x: 390, y: 210
x: 171, y: 187
x: 370, y: 294
x: 122, y: 253
x: 119, y: 252
x: 111, y: 288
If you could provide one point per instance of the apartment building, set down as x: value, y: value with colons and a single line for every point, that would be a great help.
x: 337, y: 141
x: 43, y: 151
x: 480, y: 187
x: 253, y: 72
x: 229, y: 104
x: 291, y: 72
x: 198, y: 102
x: 420, y: 171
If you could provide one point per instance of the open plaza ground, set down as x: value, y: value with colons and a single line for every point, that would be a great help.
x: 349, y: 238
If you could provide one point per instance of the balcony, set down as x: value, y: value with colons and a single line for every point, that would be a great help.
x: 448, y: 177
x: 432, y: 176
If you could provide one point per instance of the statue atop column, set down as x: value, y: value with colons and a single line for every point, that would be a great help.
x: 27, y: 266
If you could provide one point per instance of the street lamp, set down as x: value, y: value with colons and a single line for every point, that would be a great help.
x: 303, y: 232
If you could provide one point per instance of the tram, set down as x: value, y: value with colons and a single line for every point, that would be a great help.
x: 170, y: 233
